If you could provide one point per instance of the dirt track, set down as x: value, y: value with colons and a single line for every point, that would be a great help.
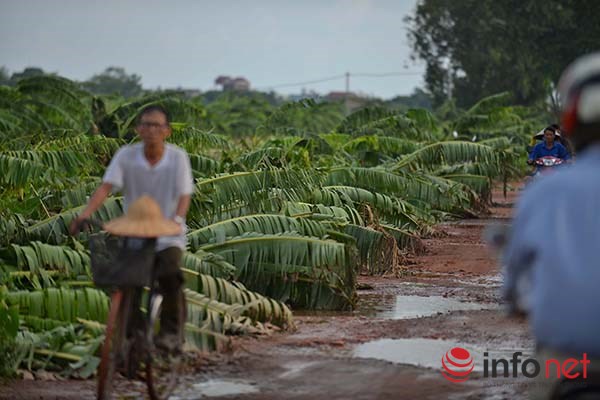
x: 331, y: 355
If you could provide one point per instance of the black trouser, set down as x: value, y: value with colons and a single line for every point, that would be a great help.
x: 170, y: 284
x: 167, y: 269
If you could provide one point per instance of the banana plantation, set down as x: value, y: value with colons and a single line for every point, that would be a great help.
x: 292, y: 203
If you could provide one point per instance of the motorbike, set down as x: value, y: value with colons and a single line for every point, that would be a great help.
x: 545, y: 165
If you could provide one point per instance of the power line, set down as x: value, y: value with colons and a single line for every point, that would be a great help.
x: 385, y: 74
x: 331, y: 78
x: 342, y: 76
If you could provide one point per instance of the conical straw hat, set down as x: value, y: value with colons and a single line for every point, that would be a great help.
x: 143, y: 219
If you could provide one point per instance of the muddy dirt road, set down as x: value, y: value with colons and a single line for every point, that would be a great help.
x: 389, y: 348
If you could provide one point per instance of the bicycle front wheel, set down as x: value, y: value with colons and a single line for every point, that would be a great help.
x: 163, y: 366
x: 113, y: 341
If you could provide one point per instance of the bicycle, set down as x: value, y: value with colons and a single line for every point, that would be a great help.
x: 126, y: 266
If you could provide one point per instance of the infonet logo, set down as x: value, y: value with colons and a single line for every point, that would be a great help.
x: 458, y: 363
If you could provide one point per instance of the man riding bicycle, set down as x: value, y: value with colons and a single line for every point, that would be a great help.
x: 161, y: 171
x: 554, y: 237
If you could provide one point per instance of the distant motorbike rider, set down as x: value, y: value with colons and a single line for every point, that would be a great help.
x: 548, y: 147
x: 554, y: 240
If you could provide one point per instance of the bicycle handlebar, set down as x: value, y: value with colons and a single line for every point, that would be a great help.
x: 91, y: 223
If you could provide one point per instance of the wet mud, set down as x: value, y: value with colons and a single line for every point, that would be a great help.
x: 389, y: 347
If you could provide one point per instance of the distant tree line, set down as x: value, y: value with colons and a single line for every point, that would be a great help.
x: 112, y: 81
x: 474, y: 48
x: 116, y: 81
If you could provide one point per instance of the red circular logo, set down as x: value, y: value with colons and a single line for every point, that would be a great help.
x: 457, y: 364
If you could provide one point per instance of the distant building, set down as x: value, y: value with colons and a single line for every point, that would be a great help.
x: 239, y: 84
x: 304, y: 94
x: 185, y: 92
x: 191, y: 92
x: 350, y: 99
x: 222, y: 79
x: 188, y: 93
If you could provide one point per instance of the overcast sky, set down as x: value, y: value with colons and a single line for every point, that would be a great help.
x: 188, y: 43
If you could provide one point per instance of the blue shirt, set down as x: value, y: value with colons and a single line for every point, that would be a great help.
x: 557, y: 150
x: 555, y: 238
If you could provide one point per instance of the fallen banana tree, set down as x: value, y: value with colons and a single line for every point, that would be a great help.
x: 291, y: 204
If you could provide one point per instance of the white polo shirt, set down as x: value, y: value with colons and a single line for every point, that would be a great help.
x: 130, y: 172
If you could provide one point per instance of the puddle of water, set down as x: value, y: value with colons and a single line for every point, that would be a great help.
x: 481, y: 221
x: 217, y: 388
x: 495, y: 392
x: 407, y: 307
x: 294, y: 368
x: 426, y: 353
x: 368, y: 305
x: 372, y: 305
x: 420, y: 352
x: 391, y: 306
x: 493, y: 281
x: 416, y: 284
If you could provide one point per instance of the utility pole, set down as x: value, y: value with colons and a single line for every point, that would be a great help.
x: 347, y: 83
x: 347, y: 94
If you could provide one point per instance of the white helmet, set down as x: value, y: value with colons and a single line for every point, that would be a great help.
x: 540, y: 134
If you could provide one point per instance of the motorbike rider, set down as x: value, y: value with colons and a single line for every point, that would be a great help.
x: 554, y: 238
x: 548, y: 147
